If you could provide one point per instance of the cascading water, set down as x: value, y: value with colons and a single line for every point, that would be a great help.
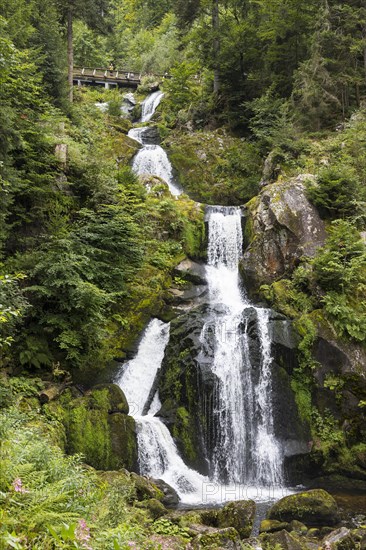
x: 150, y: 104
x: 245, y: 449
x: 245, y: 455
x: 151, y: 159
x: 158, y: 454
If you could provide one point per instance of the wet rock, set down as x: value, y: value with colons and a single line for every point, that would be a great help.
x: 187, y: 382
x: 285, y: 540
x: 217, y: 539
x: 117, y: 399
x: 170, y: 497
x: 150, y: 135
x: 315, y: 507
x: 105, y: 438
x: 179, y: 296
x: 130, y: 98
x: 240, y: 515
x: 340, y: 539
x: 281, y: 227
x: 191, y: 271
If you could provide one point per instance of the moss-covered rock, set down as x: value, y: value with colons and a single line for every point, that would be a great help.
x: 315, y: 507
x: 117, y: 399
x: 298, y: 527
x: 273, y: 525
x: 155, y: 508
x: 106, y: 439
x: 282, y: 227
x: 214, y: 167
x: 281, y: 539
x: 122, y: 432
x: 218, y: 539
x: 145, y: 488
x: 240, y: 515
x: 170, y: 497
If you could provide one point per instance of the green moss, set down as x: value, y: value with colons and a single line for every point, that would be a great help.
x: 301, y: 389
x: 183, y: 430
x: 155, y: 508
x: 221, y: 539
x: 316, y: 507
x: 215, y: 168
x: 106, y: 441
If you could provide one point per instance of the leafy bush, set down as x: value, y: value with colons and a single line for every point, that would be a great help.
x: 336, y: 192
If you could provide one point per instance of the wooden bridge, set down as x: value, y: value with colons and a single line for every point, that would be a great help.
x: 108, y: 78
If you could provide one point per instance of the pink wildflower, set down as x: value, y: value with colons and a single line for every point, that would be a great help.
x: 18, y: 486
x: 82, y: 533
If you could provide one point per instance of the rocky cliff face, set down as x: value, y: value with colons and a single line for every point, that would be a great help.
x: 281, y: 227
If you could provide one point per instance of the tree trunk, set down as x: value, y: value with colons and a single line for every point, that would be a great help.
x: 50, y: 393
x: 216, y: 44
x: 70, y: 53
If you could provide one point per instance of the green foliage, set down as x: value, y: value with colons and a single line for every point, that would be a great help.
x: 12, y: 306
x: 335, y: 192
x: 163, y: 526
x: 90, y: 48
x: 216, y: 168
x: 49, y: 500
x: 326, y: 428
x: 340, y: 269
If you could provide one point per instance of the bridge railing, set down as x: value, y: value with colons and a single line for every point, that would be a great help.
x: 115, y: 74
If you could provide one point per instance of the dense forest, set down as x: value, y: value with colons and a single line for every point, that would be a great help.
x: 256, y: 93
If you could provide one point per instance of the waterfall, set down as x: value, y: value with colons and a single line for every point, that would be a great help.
x: 150, y: 104
x: 245, y: 456
x: 245, y: 449
x: 158, y: 454
x: 151, y: 159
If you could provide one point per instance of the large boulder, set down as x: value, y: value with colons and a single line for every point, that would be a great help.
x: 240, y: 515
x: 145, y: 488
x: 315, y: 507
x: 97, y: 428
x: 281, y: 227
x: 191, y: 271
x: 122, y: 433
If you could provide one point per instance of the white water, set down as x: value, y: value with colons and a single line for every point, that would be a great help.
x: 152, y: 160
x: 246, y: 459
x: 245, y: 448
x: 158, y: 454
x: 150, y: 104
x: 139, y: 374
x: 137, y: 134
